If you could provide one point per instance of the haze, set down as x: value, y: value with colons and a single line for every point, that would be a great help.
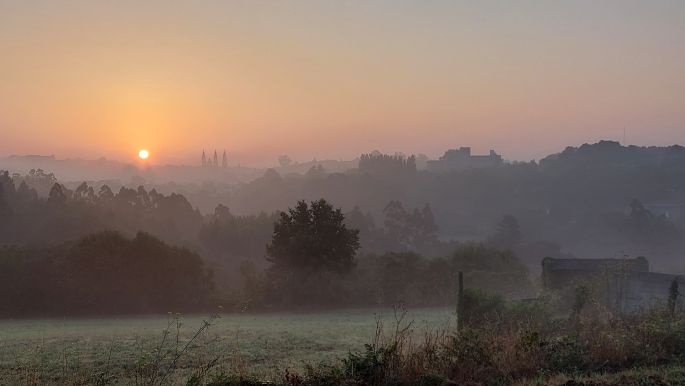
x: 249, y: 192
x: 323, y: 79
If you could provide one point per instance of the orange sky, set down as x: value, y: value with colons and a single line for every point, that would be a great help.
x: 334, y: 79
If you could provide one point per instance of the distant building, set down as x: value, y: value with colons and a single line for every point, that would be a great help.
x: 623, y: 285
x: 462, y: 159
x: 560, y: 273
x: 213, y: 162
x: 637, y: 290
x: 673, y: 212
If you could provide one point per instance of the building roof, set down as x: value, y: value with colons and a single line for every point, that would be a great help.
x: 596, y: 265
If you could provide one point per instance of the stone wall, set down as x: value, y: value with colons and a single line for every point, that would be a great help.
x: 634, y: 291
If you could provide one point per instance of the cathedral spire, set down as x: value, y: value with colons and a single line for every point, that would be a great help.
x: 224, y: 160
x: 204, y: 159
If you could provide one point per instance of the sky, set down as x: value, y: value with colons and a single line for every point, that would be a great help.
x: 333, y: 79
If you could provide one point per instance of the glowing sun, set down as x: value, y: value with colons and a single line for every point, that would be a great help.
x: 143, y: 154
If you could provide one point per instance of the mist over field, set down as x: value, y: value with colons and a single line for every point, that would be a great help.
x: 581, y: 202
x: 376, y: 235
x: 302, y: 193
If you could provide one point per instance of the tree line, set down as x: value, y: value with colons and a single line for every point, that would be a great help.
x: 578, y: 199
x: 410, y: 237
x: 83, y: 252
x: 102, y: 274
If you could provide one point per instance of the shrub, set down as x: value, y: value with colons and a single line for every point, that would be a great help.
x: 480, y: 307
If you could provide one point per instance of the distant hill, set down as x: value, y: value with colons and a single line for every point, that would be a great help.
x: 610, y: 154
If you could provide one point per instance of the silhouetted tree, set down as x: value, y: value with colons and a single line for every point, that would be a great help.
x: 643, y: 227
x: 409, y: 231
x: 383, y: 164
x: 284, y: 161
x: 58, y: 195
x: 5, y: 209
x: 396, y: 222
x: 508, y: 235
x: 25, y: 194
x: 235, y: 239
x: 313, y: 238
x: 104, y: 273
x: 500, y: 268
x: 105, y: 195
x: 316, y: 171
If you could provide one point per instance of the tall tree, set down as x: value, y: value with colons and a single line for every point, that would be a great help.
x: 508, y: 235
x: 313, y: 238
x: 58, y: 195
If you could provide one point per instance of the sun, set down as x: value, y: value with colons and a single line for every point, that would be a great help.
x: 143, y: 154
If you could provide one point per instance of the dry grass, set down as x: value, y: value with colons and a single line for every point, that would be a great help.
x: 517, y: 344
x: 502, y: 350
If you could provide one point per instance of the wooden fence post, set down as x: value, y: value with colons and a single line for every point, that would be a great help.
x: 460, y: 302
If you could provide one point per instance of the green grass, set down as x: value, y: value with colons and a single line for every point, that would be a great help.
x: 113, y: 350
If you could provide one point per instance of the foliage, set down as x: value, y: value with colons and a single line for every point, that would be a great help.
x: 68, y: 215
x: 104, y: 273
x: 479, y: 306
x: 500, y: 269
x: 387, y: 164
x: 231, y: 243
x: 313, y: 238
x: 508, y: 234
x: 389, y: 279
x: 648, y: 229
x: 410, y: 231
x: 495, y: 352
x: 578, y: 199
x: 306, y: 271
x: 284, y: 161
x: 582, y: 295
x: 504, y: 350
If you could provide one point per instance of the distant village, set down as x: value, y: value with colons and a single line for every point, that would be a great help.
x: 461, y: 159
x: 216, y: 165
x: 453, y: 160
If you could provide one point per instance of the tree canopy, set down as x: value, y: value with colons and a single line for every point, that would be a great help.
x: 103, y: 273
x: 313, y: 238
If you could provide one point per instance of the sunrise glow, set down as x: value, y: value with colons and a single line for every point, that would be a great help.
x: 335, y: 79
x: 143, y: 154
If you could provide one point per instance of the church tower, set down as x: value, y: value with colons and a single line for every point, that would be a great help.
x: 204, y: 159
x: 224, y: 160
x: 216, y: 160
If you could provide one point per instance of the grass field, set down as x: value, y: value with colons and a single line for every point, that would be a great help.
x: 118, y: 350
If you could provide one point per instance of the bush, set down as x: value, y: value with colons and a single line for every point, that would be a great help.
x: 480, y: 307
x: 104, y: 273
